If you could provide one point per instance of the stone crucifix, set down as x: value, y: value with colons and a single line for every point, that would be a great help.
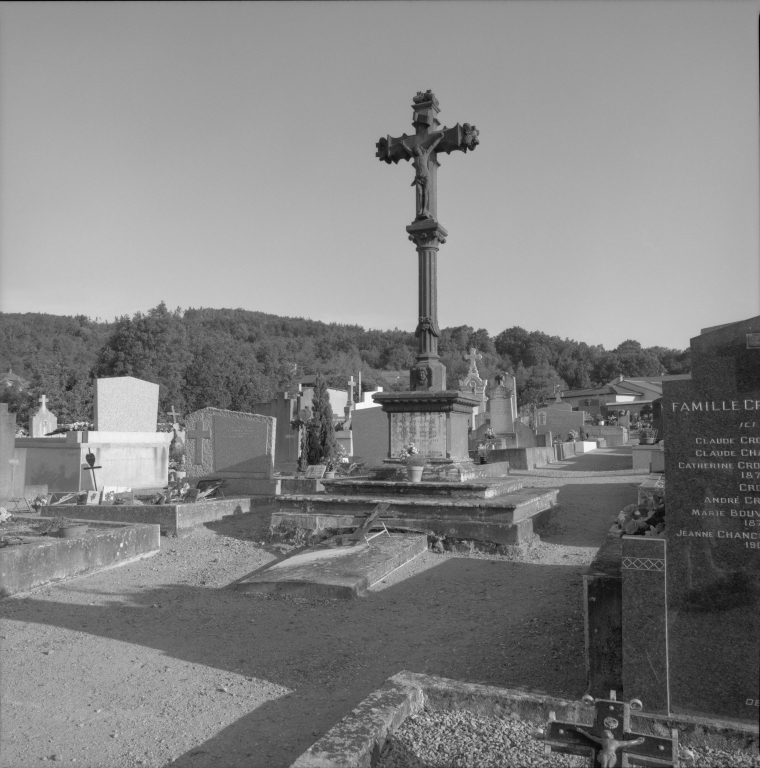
x: 473, y: 357
x: 423, y: 148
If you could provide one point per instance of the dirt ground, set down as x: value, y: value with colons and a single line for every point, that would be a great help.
x: 156, y: 664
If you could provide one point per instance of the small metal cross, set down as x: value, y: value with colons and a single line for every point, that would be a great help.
x: 90, y: 458
x: 174, y: 415
x: 609, y: 741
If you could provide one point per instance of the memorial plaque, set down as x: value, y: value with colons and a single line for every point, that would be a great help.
x: 712, y: 469
x: 316, y: 471
x: 427, y: 430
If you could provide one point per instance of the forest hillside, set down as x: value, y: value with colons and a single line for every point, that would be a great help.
x: 232, y: 358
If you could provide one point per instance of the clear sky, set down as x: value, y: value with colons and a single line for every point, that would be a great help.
x: 223, y: 155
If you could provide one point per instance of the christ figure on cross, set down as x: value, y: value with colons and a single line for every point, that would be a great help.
x: 419, y: 154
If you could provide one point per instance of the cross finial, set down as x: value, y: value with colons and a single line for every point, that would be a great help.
x: 43, y: 401
x: 174, y: 415
x: 472, y: 357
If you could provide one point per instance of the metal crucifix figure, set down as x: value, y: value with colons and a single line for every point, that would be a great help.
x: 423, y: 148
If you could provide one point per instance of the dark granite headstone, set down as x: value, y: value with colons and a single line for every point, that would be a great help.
x: 712, y: 466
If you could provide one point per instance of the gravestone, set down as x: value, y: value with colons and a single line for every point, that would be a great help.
x: 125, y: 404
x: 233, y: 446
x: 501, y: 404
x: 43, y: 422
x: 10, y: 485
x: 698, y: 606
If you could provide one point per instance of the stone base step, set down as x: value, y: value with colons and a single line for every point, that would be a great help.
x: 478, y: 489
x: 510, y: 519
x: 339, y: 572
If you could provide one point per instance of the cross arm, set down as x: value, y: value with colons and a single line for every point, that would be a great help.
x: 460, y: 137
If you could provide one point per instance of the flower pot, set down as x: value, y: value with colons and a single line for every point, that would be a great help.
x: 330, y: 475
x: 180, y: 473
x: 646, y: 441
x: 74, y: 531
x: 414, y: 473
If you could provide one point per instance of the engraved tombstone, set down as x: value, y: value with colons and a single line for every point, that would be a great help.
x: 698, y: 600
x: 43, y: 421
x: 230, y: 445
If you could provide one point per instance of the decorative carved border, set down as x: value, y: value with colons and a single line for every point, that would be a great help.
x: 644, y: 564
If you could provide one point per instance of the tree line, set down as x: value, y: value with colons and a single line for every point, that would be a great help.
x: 233, y: 358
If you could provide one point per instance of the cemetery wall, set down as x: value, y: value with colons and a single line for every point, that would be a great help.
x: 523, y: 458
x: 559, y: 421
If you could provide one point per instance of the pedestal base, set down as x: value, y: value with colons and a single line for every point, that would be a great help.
x: 436, y: 422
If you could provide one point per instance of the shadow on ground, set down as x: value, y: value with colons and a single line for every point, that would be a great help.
x: 477, y: 620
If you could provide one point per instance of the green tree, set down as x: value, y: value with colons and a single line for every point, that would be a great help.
x: 320, y: 434
x: 152, y: 347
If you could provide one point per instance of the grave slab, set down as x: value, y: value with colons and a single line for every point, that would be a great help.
x: 339, y: 572
x: 511, y: 519
x: 174, y: 519
x: 27, y: 566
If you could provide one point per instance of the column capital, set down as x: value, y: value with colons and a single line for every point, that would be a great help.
x: 427, y: 233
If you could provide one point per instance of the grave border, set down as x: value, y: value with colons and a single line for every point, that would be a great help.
x: 358, y: 740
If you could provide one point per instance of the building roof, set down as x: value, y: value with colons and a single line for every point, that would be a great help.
x: 9, y: 378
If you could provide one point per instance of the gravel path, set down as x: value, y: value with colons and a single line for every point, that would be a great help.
x: 155, y: 664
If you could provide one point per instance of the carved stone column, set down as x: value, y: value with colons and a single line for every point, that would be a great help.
x: 427, y: 374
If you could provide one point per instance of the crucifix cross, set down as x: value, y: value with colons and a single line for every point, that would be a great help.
x: 423, y: 148
x: 43, y: 401
x: 90, y: 458
x: 472, y: 357
x: 174, y: 415
x: 198, y: 434
x: 609, y: 740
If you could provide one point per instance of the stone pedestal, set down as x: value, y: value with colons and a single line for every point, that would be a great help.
x: 436, y: 422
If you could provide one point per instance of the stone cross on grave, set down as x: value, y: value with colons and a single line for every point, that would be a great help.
x: 198, y: 434
x: 351, y: 384
x: 174, y: 415
x: 423, y: 148
x: 609, y: 741
x: 43, y: 401
x: 473, y: 357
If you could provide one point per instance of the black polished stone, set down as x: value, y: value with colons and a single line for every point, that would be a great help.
x: 712, y: 470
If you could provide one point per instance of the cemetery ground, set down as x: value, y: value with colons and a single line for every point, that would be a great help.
x: 154, y: 663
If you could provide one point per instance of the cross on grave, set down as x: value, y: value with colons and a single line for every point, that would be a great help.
x: 423, y: 148
x: 174, y: 415
x: 90, y: 459
x: 473, y: 357
x: 351, y: 383
x: 43, y: 401
x: 609, y: 741
x: 198, y: 434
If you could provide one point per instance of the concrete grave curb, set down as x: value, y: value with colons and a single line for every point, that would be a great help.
x: 358, y: 740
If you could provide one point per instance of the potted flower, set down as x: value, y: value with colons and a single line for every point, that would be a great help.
x: 647, y: 435
x: 415, y: 464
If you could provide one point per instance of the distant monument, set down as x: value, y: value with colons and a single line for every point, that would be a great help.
x: 44, y: 421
